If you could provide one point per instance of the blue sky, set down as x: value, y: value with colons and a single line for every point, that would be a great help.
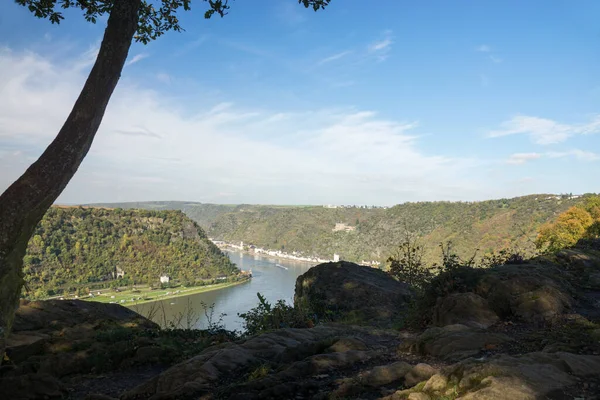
x: 363, y: 104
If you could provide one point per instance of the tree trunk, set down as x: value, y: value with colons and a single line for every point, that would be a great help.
x: 25, y: 202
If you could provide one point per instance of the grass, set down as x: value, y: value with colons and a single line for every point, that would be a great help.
x: 147, y: 295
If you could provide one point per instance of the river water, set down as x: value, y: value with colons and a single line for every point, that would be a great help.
x: 273, y: 278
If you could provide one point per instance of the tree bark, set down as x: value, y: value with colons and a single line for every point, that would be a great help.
x: 26, y: 201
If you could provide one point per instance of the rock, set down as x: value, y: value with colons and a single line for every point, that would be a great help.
x: 530, y: 292
x: 501, y: 388
x: 347, y: 344
x: 148, y: 355
x: 453, y: 342
x: 541, y: 304
x: 418, y: 396
x: 594, y: 280
x: 582, y: 258
x: 200, y: 374
x: 95, y: 396
x: 53, y: 315
x: 419, y: 373
x: 467, y: 309
x: 385, y: 374
x: 21, y: 346
x: 353, y: 293
x: 31, y: 387
x: 437, y: 383
x: 531, y: 376
x: 329, y: 362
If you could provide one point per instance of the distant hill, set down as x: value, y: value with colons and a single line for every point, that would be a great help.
x: 74, y: 247
x: 373, y: 233
x: 204, y: 214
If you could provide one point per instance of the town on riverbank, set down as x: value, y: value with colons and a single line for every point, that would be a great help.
x: 295, y: 255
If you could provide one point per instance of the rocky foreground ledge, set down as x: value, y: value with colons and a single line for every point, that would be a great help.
x: 526, y: 331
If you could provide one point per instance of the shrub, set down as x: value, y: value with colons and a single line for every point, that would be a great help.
x: 266, y: 317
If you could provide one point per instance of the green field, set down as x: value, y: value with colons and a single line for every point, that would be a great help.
x: 130, y: 297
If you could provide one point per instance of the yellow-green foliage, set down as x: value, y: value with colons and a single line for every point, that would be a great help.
x: 81, y: 247
x: 578, y: 222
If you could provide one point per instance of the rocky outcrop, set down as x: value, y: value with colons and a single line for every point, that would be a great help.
x: 527, y: 331
x: 53, y: 340
x: 467, y: 309
x: 352, y: 293
x: 529, y: 377
x: 453, y: 342
x: 278, y: 365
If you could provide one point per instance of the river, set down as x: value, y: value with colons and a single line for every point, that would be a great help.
x: 272, y: 281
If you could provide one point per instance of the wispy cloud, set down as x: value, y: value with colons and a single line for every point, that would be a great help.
x: 191, y: 45
x: 382, y: 47
x: 328, y: 155
x: 582, y: 155
x: 544, y: 131
x: 136, y: 58
x: 522, y: 158
x: 164, y: 77
x: 138, y: 131
x: 334, y: 57
x: 577, y: 153
x: 484, y: 48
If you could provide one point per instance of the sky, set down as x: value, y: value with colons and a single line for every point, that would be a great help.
x: 374, y: 103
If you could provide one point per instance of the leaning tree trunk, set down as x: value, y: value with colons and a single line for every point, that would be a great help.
x: 25, y: 202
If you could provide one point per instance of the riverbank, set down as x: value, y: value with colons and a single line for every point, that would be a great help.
x: 279, y: 257
x: 133, y: 297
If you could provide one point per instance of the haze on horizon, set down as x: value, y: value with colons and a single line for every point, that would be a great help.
x: 281, y: 105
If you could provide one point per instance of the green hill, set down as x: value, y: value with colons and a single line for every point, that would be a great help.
x: 373, y: 233
x: 85, y: 247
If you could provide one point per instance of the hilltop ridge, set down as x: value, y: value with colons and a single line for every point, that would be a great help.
x: 362, y: 233
x: 77, y: 247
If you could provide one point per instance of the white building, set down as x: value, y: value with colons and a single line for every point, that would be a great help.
x: 336, y: 257
x: 164, y: 279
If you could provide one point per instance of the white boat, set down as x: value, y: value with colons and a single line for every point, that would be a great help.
x: 281, y: 266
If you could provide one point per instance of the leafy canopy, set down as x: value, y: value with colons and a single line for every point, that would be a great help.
x: 155, y: 17
x: 578, y: 222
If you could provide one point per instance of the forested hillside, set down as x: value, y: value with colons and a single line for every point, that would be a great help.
x: 74, y: 247
x: 373, y: 233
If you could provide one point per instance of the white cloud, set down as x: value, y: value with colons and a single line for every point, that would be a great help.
x: 522, y: 158
x: 334, y: 57
x: 495, y: 59
x: 164, y: 77
x: 577, y: 153
x: 149, y: 147
x: 136, y: 58
x: 544, y: 131
x: 381, y: 48
x: 483, y: 48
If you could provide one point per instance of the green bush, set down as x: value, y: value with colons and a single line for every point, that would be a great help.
x: 266, y: 317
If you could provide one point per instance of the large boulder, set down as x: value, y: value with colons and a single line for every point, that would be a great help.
x: 52, y: 315
x: 282, y: 364
x: 57, y: 326
x: 352, y: 293
x: 453, y: 342
x: 467, y: 309
x: 529, y: 377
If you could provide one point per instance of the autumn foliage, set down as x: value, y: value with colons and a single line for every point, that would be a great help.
x: 578, y: 222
